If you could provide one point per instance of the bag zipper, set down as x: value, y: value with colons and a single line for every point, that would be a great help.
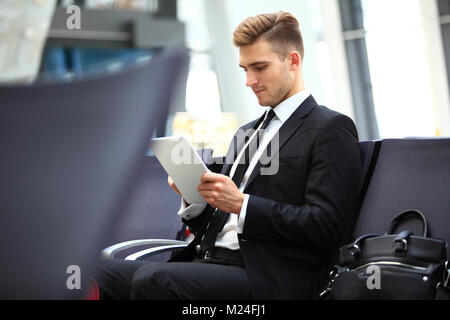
x: 391, y: 263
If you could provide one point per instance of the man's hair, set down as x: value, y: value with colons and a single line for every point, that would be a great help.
x: 280, y: 29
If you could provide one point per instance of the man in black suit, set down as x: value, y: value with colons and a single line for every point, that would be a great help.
x: 283, y: 202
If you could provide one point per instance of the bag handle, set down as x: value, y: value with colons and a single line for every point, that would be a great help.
x: 355, y: 248
x: 400, y: 242
x: 399, y: 218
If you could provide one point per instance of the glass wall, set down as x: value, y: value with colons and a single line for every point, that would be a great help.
x: 398, y: 68
x: 204, y: 121
x: 379, y: 62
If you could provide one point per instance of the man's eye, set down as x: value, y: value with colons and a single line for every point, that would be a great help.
x: 260, y: 68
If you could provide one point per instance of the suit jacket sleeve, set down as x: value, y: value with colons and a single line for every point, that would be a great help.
x: 331, y: 193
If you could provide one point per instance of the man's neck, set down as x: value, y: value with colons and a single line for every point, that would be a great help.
x: 299, y: 86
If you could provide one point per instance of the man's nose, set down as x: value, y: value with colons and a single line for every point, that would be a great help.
x: 250, y: 79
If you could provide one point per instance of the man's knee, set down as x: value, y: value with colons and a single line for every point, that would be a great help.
x: 152, y: 282
x: 114, y: 278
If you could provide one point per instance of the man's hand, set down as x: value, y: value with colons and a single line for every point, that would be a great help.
x: 221, y: 192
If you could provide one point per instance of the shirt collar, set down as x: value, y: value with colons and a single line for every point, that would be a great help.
x: 286, y: 108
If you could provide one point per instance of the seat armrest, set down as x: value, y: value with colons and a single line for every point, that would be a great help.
x: 111, y: 251
x: 140, y: 255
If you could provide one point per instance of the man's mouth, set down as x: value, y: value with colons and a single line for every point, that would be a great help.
x: 258, y: 91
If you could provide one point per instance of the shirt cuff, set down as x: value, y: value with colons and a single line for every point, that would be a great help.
x: 190, y: 211
x: 241, y: 218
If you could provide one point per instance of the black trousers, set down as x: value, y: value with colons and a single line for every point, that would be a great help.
x: 197, y: 280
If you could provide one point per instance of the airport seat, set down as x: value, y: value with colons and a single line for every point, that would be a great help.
x: 409, y: 174
x: 151, y: 217
x: 369, y: 152
x: 70, y: 153
x: 151, y: 211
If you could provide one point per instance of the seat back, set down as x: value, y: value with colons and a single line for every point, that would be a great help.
x: 369, y: 153
x: 70, y: 152
x: 409, y: 174
x: 151, y: 211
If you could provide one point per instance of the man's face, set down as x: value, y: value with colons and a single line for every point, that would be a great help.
x: 268, y: 76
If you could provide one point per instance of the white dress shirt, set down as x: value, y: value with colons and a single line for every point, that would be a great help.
x: 227, y: 237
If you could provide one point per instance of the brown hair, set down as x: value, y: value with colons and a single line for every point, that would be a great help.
x: 280, y: 29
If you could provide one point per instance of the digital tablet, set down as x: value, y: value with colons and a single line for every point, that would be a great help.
x: 182, y: 163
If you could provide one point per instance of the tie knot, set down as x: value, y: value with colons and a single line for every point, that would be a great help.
x: 268, y: 118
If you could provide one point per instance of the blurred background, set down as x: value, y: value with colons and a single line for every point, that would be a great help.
x: 384, y: 63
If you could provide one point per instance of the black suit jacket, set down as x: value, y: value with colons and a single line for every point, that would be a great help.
x: 298, y: 216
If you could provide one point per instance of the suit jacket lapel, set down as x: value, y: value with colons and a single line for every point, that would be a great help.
x: 286, y: 131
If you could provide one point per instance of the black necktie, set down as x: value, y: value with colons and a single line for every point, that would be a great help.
x: 220, y: 217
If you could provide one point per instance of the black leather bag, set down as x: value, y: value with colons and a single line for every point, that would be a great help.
x: 391, y: 266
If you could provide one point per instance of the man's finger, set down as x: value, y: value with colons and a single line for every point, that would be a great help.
x: 206, y: 177
x: 208, y: 186
x: 211, y: 177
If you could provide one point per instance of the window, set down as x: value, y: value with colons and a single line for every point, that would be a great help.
x: 203, y: 123
x: 398, y: 68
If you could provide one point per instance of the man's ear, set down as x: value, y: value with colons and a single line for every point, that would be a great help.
x: 295, y: 61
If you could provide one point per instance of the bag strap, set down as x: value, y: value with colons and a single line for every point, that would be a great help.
x: 400, y: 217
